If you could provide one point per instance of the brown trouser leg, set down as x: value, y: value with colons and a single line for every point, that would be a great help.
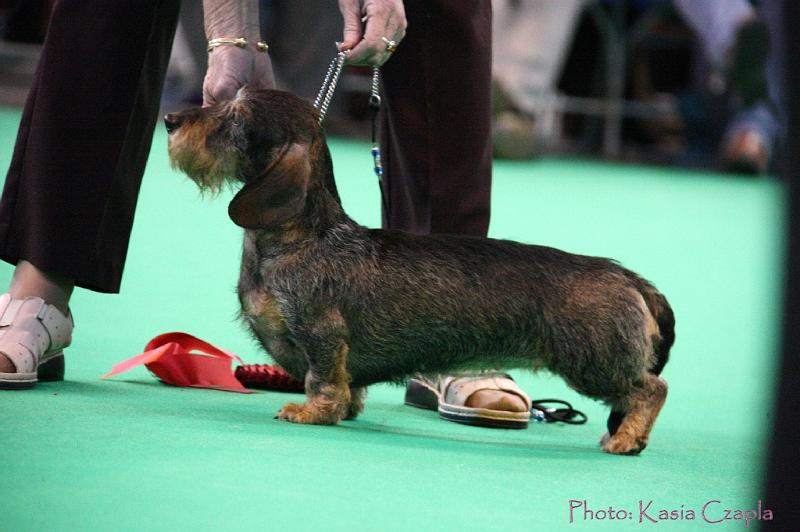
x: 84, y: 138
x: 436, y: 122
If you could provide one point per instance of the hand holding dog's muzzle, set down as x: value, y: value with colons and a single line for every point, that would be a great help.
x: 230, y: 68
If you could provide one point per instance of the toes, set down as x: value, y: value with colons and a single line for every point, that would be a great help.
x: 618, y: 444
x: 307, y: 414
x: 6, y: 366
x: 496, y: 400
x: 294, y: 412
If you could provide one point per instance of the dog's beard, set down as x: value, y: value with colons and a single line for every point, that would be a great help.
x: 211, y: 181
x: 211, y: 172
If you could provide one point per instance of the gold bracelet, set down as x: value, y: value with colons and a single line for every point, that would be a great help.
x: 239, y: 42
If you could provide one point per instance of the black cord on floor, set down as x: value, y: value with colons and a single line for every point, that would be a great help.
x: 550, y: 414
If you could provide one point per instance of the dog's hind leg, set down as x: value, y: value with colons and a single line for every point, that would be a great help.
x: 638, y: 412
x: 328, y: 398
x: 613, y: 423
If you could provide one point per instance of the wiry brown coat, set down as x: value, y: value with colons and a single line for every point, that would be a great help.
x: 344, y: 306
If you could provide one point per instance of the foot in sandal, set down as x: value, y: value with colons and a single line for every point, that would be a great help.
x: 482, y: 399
x: 33, y: 335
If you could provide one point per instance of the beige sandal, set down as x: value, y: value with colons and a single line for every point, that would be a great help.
x: 449, y: 394
x: 33, y: 335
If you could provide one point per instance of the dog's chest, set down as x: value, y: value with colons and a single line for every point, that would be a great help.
x: 263, y: 314
x: 260, y: 306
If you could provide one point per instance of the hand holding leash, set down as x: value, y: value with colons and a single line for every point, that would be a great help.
x: 372, y: 32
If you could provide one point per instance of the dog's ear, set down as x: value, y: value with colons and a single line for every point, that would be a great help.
x: 276, y: 195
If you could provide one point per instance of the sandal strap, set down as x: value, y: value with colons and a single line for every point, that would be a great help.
x: 31, y: 331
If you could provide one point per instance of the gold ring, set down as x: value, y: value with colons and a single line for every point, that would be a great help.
x: 391, y: 46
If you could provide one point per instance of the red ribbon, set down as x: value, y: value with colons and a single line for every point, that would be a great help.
x: 181, y: 359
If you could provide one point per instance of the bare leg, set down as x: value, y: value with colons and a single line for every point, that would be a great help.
x: 30, y: 281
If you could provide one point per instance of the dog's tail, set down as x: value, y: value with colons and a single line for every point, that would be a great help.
x: 662, y: 312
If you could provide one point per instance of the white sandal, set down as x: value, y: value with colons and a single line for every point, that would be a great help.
x: 33, y: 335
x: 448, y: 395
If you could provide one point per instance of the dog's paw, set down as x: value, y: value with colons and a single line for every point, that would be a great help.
x: 307, y: 414
x: 620, y: 444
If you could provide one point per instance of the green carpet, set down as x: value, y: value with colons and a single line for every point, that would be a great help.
x: 133, y: 454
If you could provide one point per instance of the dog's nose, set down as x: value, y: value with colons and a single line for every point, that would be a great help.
x: 172, y: 121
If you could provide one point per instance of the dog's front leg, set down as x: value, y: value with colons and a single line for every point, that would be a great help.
x: 327, y: 388
x: 357, y: 397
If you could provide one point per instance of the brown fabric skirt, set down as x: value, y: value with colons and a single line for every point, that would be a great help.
x: 84, y: 138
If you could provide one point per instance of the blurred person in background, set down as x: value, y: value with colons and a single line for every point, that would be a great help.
x: 744, y: 46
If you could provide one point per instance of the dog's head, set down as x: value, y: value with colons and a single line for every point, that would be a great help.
x: 266, y: 140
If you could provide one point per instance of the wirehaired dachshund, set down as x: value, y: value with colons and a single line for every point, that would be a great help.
x: 343, y: 306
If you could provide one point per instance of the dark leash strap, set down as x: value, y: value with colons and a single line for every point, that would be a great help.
x: 375, y: 106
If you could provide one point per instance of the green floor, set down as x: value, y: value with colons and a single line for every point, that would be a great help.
x: 132, y: 454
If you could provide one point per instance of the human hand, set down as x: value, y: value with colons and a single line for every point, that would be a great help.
x: 366, y: 24
x: 231, y: 68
